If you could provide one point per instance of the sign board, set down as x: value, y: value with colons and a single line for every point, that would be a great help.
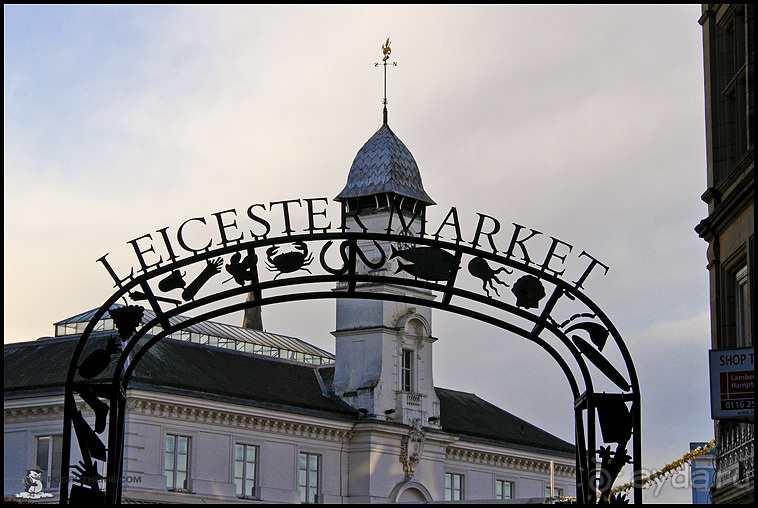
x: 732, y: 383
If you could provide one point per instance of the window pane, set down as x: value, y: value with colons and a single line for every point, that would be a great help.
x: 55, y: 463
x: 251, y: 453
x: 43, y: 456
x: 170, y: 443
x: 182, y: 444
x: 301, y: 477
x: 742, y: 297
x: 313, y: 479
x: 170, y: 479
x: 43, y: 445
x: 181, y: 480
x: 238, y: 486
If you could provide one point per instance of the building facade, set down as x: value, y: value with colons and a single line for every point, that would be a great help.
x: 728, y: 55
x: 217, y: 413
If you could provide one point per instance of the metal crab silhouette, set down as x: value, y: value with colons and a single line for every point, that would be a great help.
x: 288, y: 262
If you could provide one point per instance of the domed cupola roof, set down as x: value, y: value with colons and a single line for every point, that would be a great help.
x: 384, y: 166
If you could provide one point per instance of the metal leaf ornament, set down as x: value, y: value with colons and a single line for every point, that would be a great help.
x: 598, y: 333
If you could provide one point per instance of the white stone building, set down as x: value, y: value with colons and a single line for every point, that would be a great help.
x: 218, y: 413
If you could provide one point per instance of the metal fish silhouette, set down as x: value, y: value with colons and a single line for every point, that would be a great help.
x: 429, y: 263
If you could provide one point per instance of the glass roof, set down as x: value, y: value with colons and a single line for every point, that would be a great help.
x: 215, y: 334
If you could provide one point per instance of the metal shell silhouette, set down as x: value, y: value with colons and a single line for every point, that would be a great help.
x: 528, y: 291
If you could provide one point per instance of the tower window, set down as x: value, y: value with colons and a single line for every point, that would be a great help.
x: 406, y: 371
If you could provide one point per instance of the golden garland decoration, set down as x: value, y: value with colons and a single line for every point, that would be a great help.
x: 663, y: 473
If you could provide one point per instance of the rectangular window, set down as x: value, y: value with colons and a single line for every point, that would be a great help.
x: 406, y: 371
x: 453, y: 487
x: 504, y: 489
x: 245, y: 469
x: 48, y: 457
x: 556, y: 492
x: 176, y: 462
x: 308, y: 477
x: 742, y: 308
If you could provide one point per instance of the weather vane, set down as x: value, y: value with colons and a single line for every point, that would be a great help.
x: 386, y: 50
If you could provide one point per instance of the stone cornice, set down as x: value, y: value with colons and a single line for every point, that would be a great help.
x: 29, y: 413
x: 41, y: 409
x: 509, y: 461
x: 190, y: 411
x: 257, y: 420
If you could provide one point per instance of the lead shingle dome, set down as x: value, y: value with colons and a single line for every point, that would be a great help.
x: 384, y: 166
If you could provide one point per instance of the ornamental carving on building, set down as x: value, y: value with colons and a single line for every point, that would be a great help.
x: 411, y: 447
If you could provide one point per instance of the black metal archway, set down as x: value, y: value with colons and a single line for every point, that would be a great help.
x: 549, y: 311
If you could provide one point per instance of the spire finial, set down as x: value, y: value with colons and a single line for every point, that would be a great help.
x: 386, y: 50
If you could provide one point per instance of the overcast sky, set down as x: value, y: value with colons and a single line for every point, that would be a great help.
x: 583, y: 122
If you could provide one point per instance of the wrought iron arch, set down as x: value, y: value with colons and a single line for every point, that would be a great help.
x: 433, y: 265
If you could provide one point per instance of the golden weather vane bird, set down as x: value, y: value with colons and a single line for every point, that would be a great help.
x: 386, y: 50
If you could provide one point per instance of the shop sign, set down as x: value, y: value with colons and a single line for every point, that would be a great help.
x: 732, y: 383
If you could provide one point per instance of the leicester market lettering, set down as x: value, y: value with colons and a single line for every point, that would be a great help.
x: 488, y: 230
x: 432, y: 255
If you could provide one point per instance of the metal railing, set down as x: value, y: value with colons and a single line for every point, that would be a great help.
x: 737, y: 454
